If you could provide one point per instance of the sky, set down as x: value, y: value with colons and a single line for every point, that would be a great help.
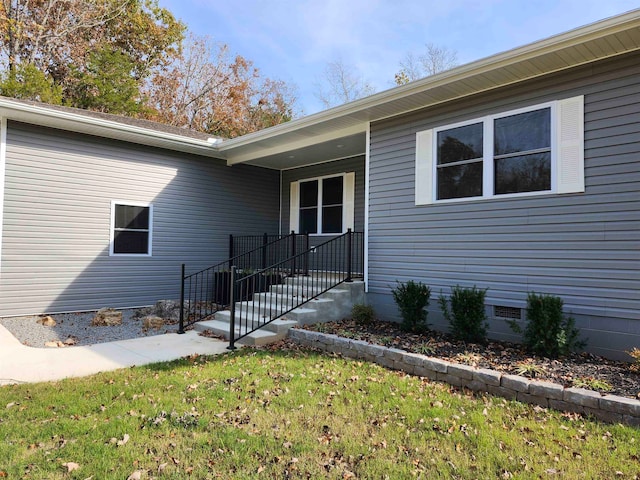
x: 294, y: 40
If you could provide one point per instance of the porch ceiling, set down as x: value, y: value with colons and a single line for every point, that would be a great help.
x: 314, y: 138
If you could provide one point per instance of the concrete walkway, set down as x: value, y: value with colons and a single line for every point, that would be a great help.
x: 22, y: 364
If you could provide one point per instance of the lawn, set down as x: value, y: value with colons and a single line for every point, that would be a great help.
x: 292, y: 414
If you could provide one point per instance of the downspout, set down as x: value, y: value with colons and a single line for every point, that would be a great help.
x: 280, y: 206
x: 367, y: 156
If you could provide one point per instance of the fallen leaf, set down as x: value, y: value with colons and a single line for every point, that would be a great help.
x: 137, y: 475
x: 71, y: 466
x: 124, y: 440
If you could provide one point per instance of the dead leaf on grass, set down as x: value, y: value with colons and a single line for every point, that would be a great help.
x: 137, y: 475
x: 71, y: 466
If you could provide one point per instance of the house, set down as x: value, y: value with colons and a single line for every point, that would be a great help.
x: 519, y: 172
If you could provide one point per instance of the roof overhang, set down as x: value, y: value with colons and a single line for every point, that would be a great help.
x: 280, y: 146
x: 65, y: 119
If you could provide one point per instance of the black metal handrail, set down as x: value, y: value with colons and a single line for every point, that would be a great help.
x: 208, y: 290
x: 256, y: 303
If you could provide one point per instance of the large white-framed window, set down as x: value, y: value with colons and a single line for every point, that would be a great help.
x: 529, y: 151
x: 131, y: 228
x: 322, y: 205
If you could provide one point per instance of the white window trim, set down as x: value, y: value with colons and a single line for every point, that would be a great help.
x: 427, y: 146
x: 112, y: 228
x: 348, y: 203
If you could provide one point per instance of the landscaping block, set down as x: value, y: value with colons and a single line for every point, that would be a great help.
x: 413, y: 358
x: 450, y: 379
x: 515, y: 382
x: 422, y: 371
x: 533, y: 399
x: 436, y: 365
x: 375, y: 350
x: 502, y: 392
x: 582, y: 397
x: 387, y: 362
x: 622, y: 405
x: 328, y: 339
x: 631, y: 420
x: 604, y: 415
x: 490, y: 377
x: 462, y: 371
x: 394, y: 353
x: 565, y: 406
x: 546, y: 389
x: 476, y: 386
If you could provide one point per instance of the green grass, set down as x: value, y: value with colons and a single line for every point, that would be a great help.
x: 292, y: 414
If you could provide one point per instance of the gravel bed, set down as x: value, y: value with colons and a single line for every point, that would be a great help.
x: 78, y: 327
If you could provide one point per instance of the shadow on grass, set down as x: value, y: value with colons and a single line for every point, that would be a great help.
x: 192, y: 360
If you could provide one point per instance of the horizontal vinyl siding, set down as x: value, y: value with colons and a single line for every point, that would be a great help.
x: 583, y: 247
x: 354, y: 164
x: 57, y: 212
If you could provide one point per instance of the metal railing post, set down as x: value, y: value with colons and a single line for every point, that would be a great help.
x: 349, y: 240
x: 293, y: 252
x: 306, y: 255
x: 181, y: 325
x: 232, y: 307
x: 265, y: 240
x: 230, y: 246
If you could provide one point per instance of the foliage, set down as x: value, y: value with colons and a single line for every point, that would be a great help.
x: 467, y: 316
x: 292, y: 414
x: 67, y: 40
x: 412, y: 299
x: 107, y: 84
x: 205, y: 88
x: 529, y: 369
x: 363, y: 314
x: 436, y: 59
x: 26, y: 82
x: 548, y: 332
x: 592, y: 384
x: 129, y: 58
x: 635, y: 354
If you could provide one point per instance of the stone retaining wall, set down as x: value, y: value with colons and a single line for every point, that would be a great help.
x: 608, y: 408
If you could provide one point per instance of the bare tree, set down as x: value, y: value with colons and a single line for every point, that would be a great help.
x: 436, y: 59
x: 341, y: 84
x: 209, y: 90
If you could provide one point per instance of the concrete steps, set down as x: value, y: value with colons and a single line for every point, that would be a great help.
x: 332, y: 305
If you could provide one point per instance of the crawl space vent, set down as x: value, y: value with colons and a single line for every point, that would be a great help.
x: 510, y: 313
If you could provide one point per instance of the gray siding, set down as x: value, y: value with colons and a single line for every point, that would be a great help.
x: 58, y: 192
x: 354, y: 164
x: 582, y: 247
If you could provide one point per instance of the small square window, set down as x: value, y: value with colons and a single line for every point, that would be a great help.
x: 131, y: 229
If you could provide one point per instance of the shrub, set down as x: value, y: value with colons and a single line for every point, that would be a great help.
x: 635, y: 365
x: 467, y: 317
x: 412, y: 299
x: 548, y: 332
x: 363, y: 314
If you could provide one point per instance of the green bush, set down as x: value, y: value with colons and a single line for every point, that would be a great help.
x: 412, y: 299
x: 548, y: 331
x: 363, y: 314
x: 467, y: 317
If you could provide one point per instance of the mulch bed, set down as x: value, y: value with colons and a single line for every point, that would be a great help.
x: 583, y: 370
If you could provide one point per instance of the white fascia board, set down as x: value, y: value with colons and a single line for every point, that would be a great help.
x: 111, y: 129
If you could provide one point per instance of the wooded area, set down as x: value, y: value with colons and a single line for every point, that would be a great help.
x: 132, y: 57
